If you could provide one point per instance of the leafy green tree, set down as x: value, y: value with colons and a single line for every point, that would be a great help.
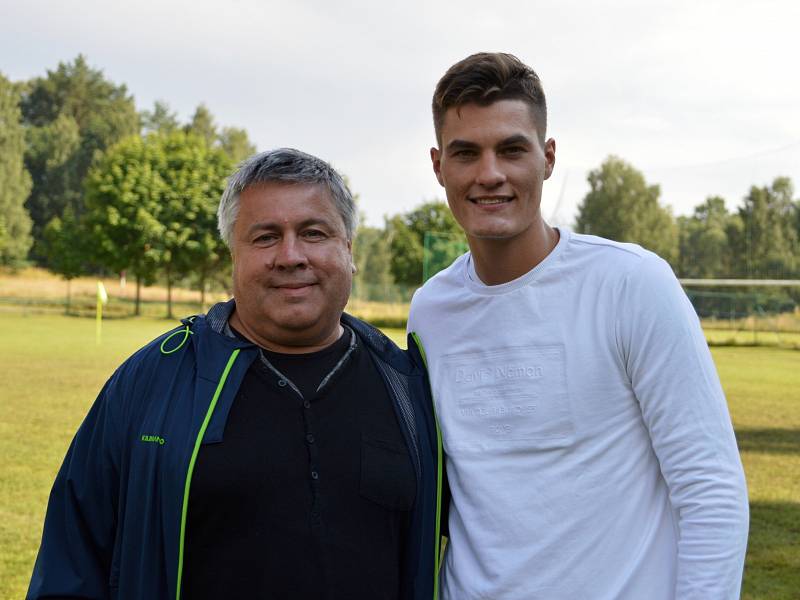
x: 621, y: 206
x: 407, y: 238
x: 236, y: 144
x: 705, y: 250
x: 153, y: 204
x: 769, y: 245
x: 372, y: 257
x: 161, y: 119
x: 123, y: 192
x: 194, y: 177
x: 15, y: 182
x: 64, y: 245
x: 50, y: 155
x: 232, y: 140
x: 202, y: 125
x: 71, y: 115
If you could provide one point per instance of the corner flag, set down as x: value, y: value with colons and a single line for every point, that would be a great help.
x: 102, y: 298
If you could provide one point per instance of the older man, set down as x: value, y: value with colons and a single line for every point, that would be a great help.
x: 273, y: 448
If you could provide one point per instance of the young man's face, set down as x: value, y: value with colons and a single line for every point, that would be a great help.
x: 492, y: 166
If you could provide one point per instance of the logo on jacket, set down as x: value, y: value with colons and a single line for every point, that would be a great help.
x: 154, y: 439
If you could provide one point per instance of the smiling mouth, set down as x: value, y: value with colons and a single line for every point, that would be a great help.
x: 491, y: 200
x: 293, y: 286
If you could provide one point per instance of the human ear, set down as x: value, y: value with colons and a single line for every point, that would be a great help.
x: 549, y: 157
x: 436, y: 160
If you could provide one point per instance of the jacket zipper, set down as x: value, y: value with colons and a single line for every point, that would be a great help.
x: 198, y: 441
x: 437, y: 543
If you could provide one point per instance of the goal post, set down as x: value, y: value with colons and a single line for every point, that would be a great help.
x: 747, y: 311
x: 439, y: 250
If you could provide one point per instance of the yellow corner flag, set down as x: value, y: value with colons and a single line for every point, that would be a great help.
x: 102, y: 298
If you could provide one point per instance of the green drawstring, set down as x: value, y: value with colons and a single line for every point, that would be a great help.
x: 185, y: 331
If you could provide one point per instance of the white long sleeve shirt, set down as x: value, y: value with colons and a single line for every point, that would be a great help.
x: 589, y: 448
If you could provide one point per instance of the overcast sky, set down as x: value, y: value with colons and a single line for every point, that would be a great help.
x: 702, y: 96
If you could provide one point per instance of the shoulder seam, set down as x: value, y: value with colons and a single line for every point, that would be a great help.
x: 614, y: 245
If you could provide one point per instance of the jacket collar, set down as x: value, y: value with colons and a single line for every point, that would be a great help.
x: 218, y: 315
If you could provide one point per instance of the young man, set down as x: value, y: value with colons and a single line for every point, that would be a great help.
x: 273, y: 448
x: 590, y: 453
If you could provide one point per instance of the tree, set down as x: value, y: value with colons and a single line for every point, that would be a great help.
x: 407, y: 235
x: 15, y: 182
x: 236, y: 144
x: 194, y: 177
x: 152, y: 204
x: 123, y: 191
x: 71, y: 115
x: 372, y: 257
x: 705, y: 250
x: 202, y: 125
x: 621, y: 206
x: 64, y: 246
x: 769, y: 246
x: 50, y: 156
x: 161, y: 119
x: 232, y: 140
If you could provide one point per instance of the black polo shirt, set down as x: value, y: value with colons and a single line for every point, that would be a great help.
x: 308, y: 494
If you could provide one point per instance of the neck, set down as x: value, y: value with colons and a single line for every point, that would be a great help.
x: 286, y: 344
x: 502, y: 260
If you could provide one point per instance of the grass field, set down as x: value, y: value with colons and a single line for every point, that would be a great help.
x: 51, y: 370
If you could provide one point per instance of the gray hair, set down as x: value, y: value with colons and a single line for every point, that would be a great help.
x: 285, y: 165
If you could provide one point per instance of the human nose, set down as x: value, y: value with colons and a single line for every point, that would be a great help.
x: 490, y: 173
x: 289, y: 254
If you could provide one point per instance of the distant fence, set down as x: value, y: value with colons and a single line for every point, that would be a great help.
x: 382, y: 292
x: 739, y: 305
x: 439, y: 251
x: 747, y: 311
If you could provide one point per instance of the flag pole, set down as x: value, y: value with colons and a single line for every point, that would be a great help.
x: 102, y: 298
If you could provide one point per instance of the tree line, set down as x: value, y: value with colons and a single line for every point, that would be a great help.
x: 88, y: 184
x: 758, y: 240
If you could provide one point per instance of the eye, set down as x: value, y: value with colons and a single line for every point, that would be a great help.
x: 265, y: 238
x: 465, y: 153
x: 513, y: 150
x: 314, y: 234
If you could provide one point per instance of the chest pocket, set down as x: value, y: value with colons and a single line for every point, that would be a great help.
x: 387, y: 475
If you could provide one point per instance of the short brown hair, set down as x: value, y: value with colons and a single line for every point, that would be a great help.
x: 485, y: 78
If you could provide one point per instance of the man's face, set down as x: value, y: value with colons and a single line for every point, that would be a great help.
x: 292, y: 265
x: 492, y: 167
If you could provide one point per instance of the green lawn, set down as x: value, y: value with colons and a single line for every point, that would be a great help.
x: 763, y: 390
x: 51, y: 370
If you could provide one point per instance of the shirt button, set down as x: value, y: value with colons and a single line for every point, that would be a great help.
x: 310, y: 438
x: 314, y: 475
x: 306, y: 404
x: 282, y: 382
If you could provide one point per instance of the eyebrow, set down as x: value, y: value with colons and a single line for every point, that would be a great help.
x: 460, y: 145
x: 517, y: 138
x: 273, y: 225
